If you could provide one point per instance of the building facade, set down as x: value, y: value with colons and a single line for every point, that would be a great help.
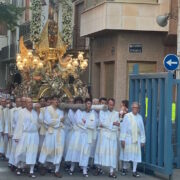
x: 123, y: 33
x: 9, y: 43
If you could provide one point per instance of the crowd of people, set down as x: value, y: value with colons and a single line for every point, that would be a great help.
x: 41, y: 136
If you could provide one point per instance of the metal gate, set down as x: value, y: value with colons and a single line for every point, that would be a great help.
x: 156, y: 92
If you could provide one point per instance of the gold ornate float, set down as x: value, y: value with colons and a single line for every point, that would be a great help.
x: 47, y: 69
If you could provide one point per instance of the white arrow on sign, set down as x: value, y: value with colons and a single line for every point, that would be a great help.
x: 170, y: 62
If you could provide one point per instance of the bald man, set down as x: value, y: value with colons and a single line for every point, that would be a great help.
x: 27, y: 148
x: 132, y: 138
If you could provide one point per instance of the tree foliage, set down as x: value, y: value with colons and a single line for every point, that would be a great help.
x: 10, y: 14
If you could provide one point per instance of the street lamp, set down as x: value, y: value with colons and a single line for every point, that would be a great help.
x: 162, y: 20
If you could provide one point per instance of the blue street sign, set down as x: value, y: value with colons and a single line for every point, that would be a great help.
x: 171, y: 62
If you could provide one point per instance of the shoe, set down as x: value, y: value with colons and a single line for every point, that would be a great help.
x: 136, y: 174
x: 70, y: 172
x: 112, y: 175
x: 85, y: 175
x: 32, y: 175
x: 58, y: 175
x: 98, y: 172
x: 18, y: 172
x: 42, y: 171
x: 124, y: 172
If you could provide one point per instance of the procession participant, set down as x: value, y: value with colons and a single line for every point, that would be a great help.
x: 82, y: 138
x: 93, y: 147
x: 95, y: 101
x: 2, y: 106
x: 132, y: 138
x: 6, y: 120
x: 106, y: 148
x: 103, y: 101
x: 14, y: 120
x: 7, y: 128
x: 68, y: 128
x: 123, y: 111
x: 71, y: 117
x: 18, y: 132
x: 48, y: 101
x: 123, y: 108
x: 53, y: 145
x: 42, y: 130
x: 27, y: 148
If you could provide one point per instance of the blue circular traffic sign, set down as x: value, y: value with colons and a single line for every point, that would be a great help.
x: 171, y: 62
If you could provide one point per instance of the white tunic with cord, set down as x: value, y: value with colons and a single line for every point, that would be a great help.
x: 132, y: 137
x: 53, y: 145
x: 27, y: 148
x: 82, y: 138
x: 106, y: 148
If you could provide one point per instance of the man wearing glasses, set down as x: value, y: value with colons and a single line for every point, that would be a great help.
x: 132, y: 138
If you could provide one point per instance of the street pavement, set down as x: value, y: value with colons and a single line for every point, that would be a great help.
x: 6, y: 174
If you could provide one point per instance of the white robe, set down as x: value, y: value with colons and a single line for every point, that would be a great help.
x: 15, y: 120
x: 69, y: 123
x: 82, y: 138
x: 1, y: 130
x: 27, y: 148
x: 53, y: 145
x: 132, y: 151
x: 10, y: 131
x: 106, y: 148
x: 43, y: 129
x: 6, y: 128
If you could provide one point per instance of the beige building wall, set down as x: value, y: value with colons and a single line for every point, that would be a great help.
x: 115, y: 48
x: 118, y: 15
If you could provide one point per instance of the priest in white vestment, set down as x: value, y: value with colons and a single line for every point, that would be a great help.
x: 106, y: 148
x: 53, y: 145
x: 2, y: 106
x: 14, y: 120
x: 82, y: 138
x: 132, y: 138
x: 27, y: 147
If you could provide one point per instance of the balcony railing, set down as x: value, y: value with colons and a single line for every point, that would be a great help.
x: 4, y: 53
x: 79, y: 43
x: 24, y: 30
x: 13, y: 51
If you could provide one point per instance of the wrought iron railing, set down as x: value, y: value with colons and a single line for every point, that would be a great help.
x: 24, y: 30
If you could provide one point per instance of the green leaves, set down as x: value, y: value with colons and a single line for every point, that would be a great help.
x: 10, y: 14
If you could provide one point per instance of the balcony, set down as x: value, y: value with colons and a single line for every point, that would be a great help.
x: 122, y: 15
x: 4, y: 53
x: 93, y: 3
x: 24, y: 30
x: 79, y: 43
